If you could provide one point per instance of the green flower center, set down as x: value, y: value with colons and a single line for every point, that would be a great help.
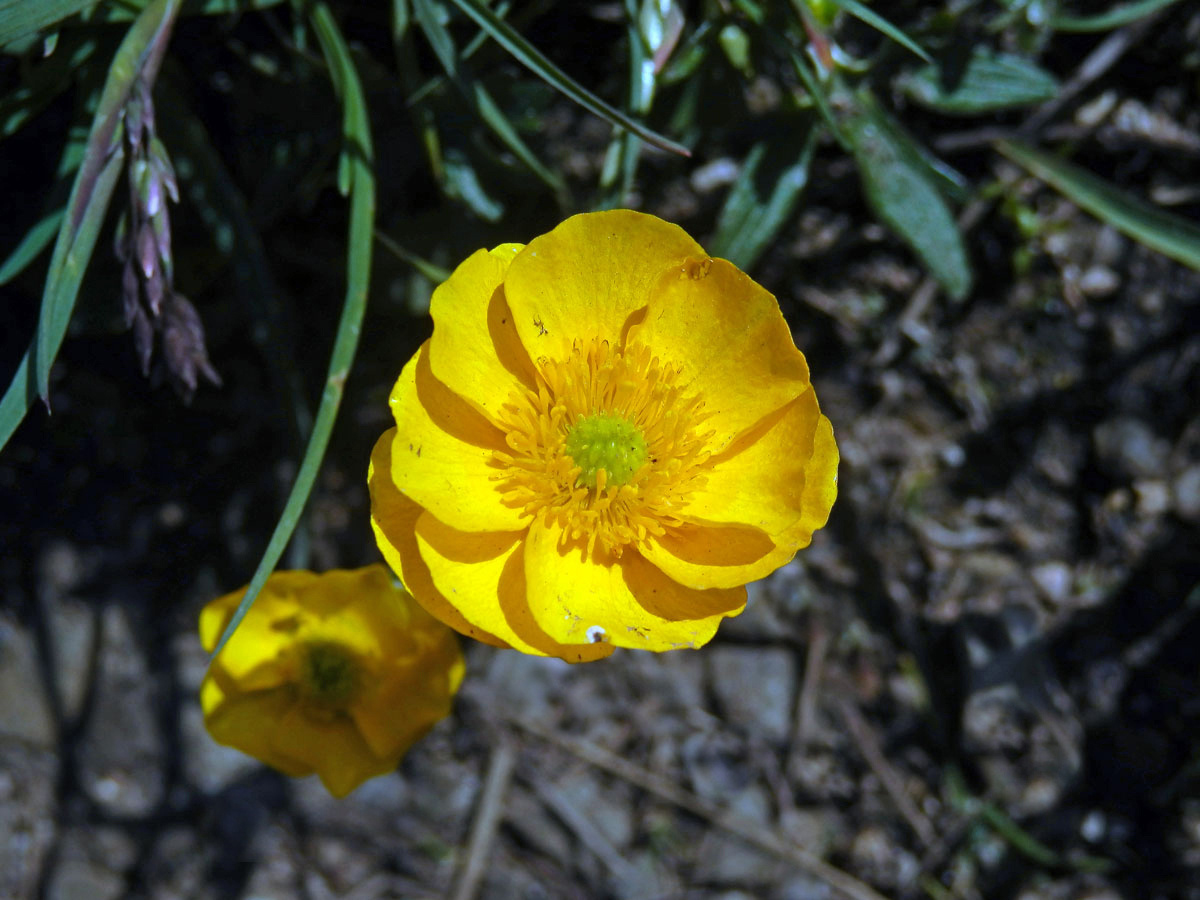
x: 606, y: 442
x: 328, y: 673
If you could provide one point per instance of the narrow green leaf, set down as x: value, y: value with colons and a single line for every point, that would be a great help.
x: 434, y: 273
x: 904, y: 196
x: 480, y: 99
x: 763, y: 198
x: 882, y: 25
x: 36, y: 240
x: 529, y: 56
x: 141, y: 49
x: 357, y: 135
x: 22, y: 391
x: 24, y: 18
x: 1116, y: 17
x: 125, y: 10
x: 1169, y: 234
x: 401, y: 16
x: 815, y: 89
x: 988, y: 82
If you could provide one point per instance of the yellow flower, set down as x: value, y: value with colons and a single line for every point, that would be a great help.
x: 608, y: 435
x: 337, y: 674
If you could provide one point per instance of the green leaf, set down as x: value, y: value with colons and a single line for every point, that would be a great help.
x: 989, y: 81
x: 21, y: 19
x: 480, y: 99
x: 41, y: 83
x: 1116, y: 17
x: 763, y: 198
x: 882, y: 25
x: 1169, y: 234
x: 903, y: 194
x: 529, y: 56
x: 462, y: 183
x: 125, y: 10
x: 36, y: 240
x: 22, y: 391
x: 361, y: 182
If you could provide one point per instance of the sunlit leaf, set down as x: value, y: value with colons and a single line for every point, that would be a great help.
x: 989, y: 81
x: 1159, y: 230
x: 530, y: 57
x: 904, y: 196
x: 762, y: 200
x: 882, y: 25
x: 1116, y: 17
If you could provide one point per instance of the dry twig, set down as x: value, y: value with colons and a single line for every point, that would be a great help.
x: 483, y: 829
x: 750, y: 832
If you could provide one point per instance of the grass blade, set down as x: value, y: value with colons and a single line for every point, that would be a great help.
x: 22, y: 19
x: 1116, y: 17
x: 22, y: 390
x: 899, y: 186
x: 36, y: 240
x: 762, y: 200
x: 358, y: 156
x: 990, y: 81
x: 1169, y: 234
x: 529, y: 56
x: 480, y: 99
x: 882, y: 25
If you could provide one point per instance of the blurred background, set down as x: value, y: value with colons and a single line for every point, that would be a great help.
x: 981, y: 679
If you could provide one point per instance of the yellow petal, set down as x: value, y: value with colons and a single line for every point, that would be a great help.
x: 415, y: 687
x: 728, y: 337
x: 330, y: 746
x: 704, y: 555
x: 475, y: 350
x: 484, y: 576
x: 627, y: 602
x: 247, y: 723
x: 585, y: 278
x: 441, y: 459
x: 394, y: 521
x: 780, y: 478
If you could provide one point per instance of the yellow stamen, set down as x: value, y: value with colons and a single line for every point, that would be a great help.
x: 607, y: 446
x: 329, y: 674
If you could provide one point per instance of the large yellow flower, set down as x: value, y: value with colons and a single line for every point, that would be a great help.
x: 337, y: 674
x: 608, y: 435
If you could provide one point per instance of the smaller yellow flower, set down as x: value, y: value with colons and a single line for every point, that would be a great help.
x: 337, y: 674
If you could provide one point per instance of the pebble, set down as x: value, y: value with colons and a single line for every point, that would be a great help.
x: 1186, y: 493
x: 122, y: 756
x: 28, y: 780
x: 755, y: 688
x: 25, y: 712
x: 1129, y: 447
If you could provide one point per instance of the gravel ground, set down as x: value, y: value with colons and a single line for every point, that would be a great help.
x: 980, y: 681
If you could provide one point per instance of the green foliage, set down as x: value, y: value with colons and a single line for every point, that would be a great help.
x: 461, y: 95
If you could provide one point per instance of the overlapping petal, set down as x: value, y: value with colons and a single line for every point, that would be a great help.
x: 443, y: 452
x: 475, y: 350
x: 725, y: 333
x: 394, y: 521
x: 576, y: 597
x: 585, y: 278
